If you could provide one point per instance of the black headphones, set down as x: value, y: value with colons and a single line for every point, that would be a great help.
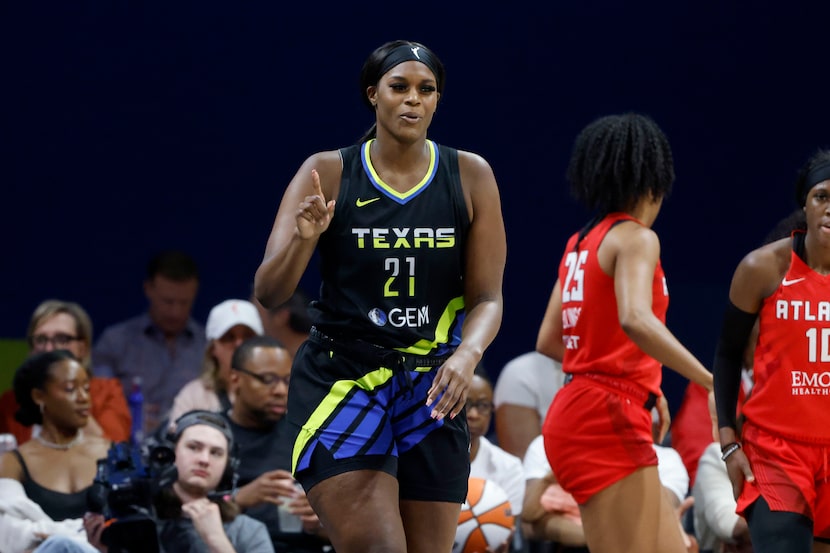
x: 230, y: 477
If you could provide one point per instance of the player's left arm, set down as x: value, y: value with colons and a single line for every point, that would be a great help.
x: 486, y: 252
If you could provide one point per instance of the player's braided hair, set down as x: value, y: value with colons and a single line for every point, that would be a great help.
x: 618, y: 159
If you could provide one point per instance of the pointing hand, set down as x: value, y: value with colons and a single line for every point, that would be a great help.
x: 314, y: 214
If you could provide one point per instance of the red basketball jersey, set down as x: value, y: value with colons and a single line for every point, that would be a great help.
x: 594, y: 340
x: 791, y: 396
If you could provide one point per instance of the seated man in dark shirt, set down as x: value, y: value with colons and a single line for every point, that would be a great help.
x: 261, y: 369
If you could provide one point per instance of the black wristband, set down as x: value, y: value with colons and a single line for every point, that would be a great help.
x: 729, y: 449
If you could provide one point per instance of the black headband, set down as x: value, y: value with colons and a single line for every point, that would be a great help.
x: 816, y: 175
x: 407, y: 52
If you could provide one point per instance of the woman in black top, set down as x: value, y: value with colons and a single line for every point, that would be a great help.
x: 58, y: 465
x: 411, y: 260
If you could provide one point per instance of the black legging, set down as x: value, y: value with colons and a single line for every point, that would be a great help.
x: 778, y: 531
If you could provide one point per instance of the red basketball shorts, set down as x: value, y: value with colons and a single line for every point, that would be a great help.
x: 596, y: 435
x: 792, y: 476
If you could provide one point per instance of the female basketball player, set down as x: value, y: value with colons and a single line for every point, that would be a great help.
x: 778, y: 467
x: 412, y: 258
x: 606, y: 322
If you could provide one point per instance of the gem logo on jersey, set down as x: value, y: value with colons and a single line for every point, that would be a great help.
x: 377, y: 316
x: 411, y: 317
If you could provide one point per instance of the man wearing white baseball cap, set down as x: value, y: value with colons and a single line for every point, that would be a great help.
x: 229, y: 324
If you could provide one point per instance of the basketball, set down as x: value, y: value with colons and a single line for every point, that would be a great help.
x: 485, y: 520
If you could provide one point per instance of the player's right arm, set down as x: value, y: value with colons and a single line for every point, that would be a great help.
x: 305, y: 212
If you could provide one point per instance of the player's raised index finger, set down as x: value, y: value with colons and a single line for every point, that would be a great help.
x: 315, y: 182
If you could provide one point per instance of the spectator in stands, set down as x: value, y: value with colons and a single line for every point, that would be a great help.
x: 523, y: 393
x: 487, y: 460
x: 261, y: 374
x: 190, y: 517
x: 57, y: 324
x: 164, y: 346
x: 289, y: 322
x: 670, y: 468
x: 718, y: 526
x: 229, y: 324
x: 549, y: 513
x: 44, y: 483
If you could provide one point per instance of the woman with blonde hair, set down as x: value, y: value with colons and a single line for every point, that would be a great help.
x: 57, y: 324
x: 229, y: 324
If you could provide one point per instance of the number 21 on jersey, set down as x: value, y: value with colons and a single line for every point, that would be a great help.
x: 392, y: 265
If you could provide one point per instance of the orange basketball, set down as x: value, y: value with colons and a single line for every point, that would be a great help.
x: 485, y: 520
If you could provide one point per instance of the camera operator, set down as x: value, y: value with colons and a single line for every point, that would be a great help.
x: 195, y: 514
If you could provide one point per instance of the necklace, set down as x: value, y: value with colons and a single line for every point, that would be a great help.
x: 79, y: 437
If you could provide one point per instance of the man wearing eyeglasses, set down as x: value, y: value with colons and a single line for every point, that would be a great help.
x: 260, y: 374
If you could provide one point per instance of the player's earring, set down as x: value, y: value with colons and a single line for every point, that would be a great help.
x: 40, y: 406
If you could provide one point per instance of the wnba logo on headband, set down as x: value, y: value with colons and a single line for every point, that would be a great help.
x: 415, y: 51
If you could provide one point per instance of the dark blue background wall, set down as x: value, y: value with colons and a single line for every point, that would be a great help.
x: 131, y: 127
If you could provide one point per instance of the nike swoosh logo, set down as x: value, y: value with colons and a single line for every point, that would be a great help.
x: 786, y: 282
x: 361, y: 203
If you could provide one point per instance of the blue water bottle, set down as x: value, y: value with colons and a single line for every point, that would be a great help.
x: 136, y: 402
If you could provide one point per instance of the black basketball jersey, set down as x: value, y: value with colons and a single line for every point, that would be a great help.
x: 392, y: 264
